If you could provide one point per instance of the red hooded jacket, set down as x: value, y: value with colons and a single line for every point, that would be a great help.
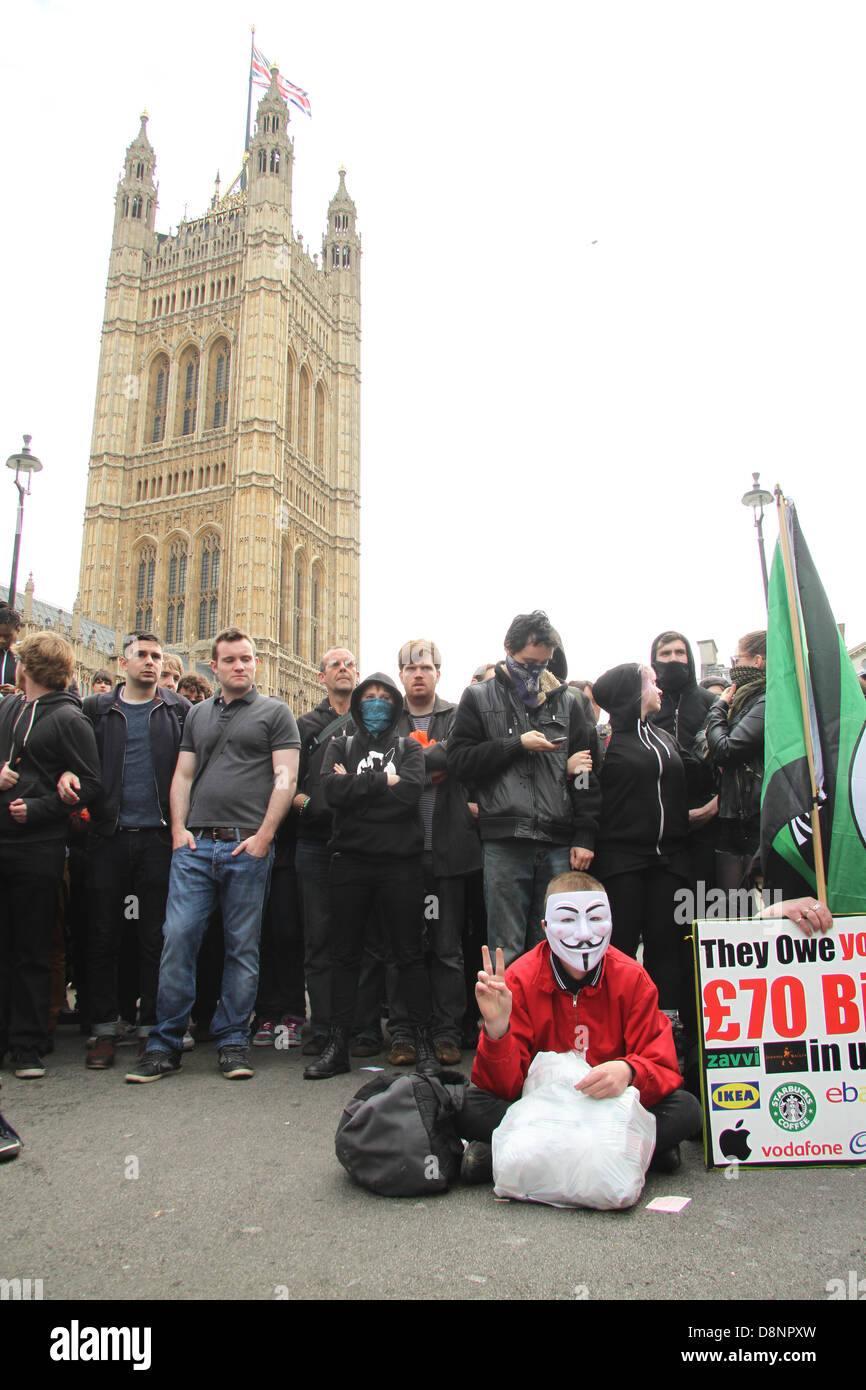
x: 621, y: 1016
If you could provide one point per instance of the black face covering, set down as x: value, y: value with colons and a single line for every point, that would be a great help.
x: 671, y: 676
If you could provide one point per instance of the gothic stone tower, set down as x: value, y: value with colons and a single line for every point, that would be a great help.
x: 224, y: 474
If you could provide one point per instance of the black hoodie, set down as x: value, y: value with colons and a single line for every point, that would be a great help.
x: 684, y: 712
x: 644, y: 805
x: 41, y: 739
x: 371, y: 818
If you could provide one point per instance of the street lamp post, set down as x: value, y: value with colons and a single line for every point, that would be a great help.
x: 28, y: 464
x: 758, y: 499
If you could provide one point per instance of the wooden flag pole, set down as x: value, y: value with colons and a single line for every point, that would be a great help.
x: 793, y: 613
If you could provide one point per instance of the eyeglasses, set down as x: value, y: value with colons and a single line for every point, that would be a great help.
x: 335, y: 665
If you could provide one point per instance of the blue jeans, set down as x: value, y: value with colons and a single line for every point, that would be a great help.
x: 516, y: 875
x: 201, y: 880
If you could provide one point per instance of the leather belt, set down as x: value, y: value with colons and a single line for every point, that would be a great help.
x: 221, y: 832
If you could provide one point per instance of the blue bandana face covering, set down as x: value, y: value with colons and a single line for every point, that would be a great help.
x: 526, y: 677
x: 376, y: 714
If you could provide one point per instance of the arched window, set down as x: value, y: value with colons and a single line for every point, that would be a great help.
x: 145, y: 582
x: 136, y: 207
x: 177, y: 564
x: 347, y: 256
x: 157, y: 399
x: 263, y: 161
x: 298, y: 604
x: 275, y: 161
x: 218, y: 384
x: 315, y: 605
x: 208, y: 608
x: 304, y: 412
x: 319, y: 429
x: 285, y: 596
x: 290, y: 398
x: 187, y: 392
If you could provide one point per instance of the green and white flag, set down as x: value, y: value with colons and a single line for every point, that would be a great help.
x: 836, y: 715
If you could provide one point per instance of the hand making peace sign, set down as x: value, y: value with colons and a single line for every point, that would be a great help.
x: 493, y: 995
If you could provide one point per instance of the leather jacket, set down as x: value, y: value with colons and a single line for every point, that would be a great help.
x: 520, y: 795
x: 737, y: 749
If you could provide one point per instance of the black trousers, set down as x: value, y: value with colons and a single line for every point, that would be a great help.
x: 127, y: 877
x: 30, y: 877
x: 394, y: 887
x: 642, y: 906
x: 281, y: 951
x: 677, y: 1117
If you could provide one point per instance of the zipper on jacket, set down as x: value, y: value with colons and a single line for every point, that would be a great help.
x: 650, y: 745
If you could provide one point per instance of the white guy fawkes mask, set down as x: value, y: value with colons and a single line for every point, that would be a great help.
x: 578, y: 927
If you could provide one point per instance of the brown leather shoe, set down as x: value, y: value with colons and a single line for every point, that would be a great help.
x: 402, y: 1054
x: 448, y: 1053
x: 101, y: 1056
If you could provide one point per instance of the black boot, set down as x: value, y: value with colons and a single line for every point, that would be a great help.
x: 334, y: 1058
x: 426, y: 1062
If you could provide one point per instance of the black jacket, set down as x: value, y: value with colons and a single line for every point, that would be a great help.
x: 165, y: 721
x: 738, y: 749
x: 456, y: 846
x: 644, y: 804
x: 371, y: 818
x: 527, y: 796
x: 41, y: 740
x: 315, y: 821
x: 684, y: 712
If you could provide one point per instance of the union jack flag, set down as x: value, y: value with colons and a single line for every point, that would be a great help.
x: 288, y: 91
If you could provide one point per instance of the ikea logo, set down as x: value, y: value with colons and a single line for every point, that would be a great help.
x: 735, y: 1095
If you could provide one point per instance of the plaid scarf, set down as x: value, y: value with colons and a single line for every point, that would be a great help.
x: 750, y: 681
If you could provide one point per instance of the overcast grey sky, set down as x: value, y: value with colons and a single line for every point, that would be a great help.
x: 614, y: 261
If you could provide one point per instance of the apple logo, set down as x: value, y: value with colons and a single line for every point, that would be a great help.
x: 734, y: 1143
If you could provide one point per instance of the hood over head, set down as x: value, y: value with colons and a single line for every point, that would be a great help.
x: 619, y: 692
x: 376, y: 678
x: 670, y: 636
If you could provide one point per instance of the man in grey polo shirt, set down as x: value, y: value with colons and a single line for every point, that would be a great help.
x: 235, y: 778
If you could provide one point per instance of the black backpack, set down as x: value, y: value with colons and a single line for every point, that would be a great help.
x: 397, y: 1136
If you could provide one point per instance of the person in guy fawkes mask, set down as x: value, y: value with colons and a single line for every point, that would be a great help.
x: 373, y: 780
x: 574, y: 980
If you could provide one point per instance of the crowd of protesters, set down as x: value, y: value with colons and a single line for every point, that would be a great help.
x: 200, y: 866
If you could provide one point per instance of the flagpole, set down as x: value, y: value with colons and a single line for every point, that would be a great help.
x: 249, y: 104
x: 787, y: 564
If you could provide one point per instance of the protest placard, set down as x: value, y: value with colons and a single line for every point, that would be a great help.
x: 783, y: 1042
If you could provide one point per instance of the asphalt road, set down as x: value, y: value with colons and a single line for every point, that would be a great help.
x: 238, y: 1195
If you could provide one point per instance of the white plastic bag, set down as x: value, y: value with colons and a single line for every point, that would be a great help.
x: 558, y: 1146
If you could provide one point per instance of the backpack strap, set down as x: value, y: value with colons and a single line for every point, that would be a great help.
x: 218, y: 747
x: 336, y: 726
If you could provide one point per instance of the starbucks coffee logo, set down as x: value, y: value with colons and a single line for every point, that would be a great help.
x: 792, y: 1107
